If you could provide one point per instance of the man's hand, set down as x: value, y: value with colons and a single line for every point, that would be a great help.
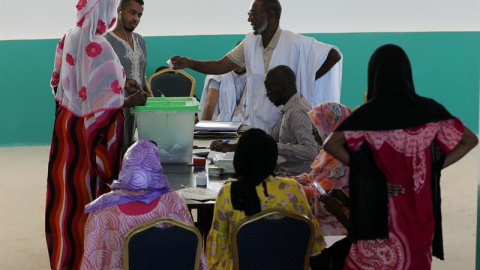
x: 139, y: 98
x: 332, y: 205
x: 219, y: 146
x: 394, y: 190
x: 179, y: 62
x: 339, y: 195
x: 131, y: 86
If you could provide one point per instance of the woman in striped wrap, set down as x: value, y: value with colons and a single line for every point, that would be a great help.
x: 88, y: 83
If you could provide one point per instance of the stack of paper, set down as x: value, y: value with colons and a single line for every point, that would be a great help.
x: 224, y: 160
x: 216, y: 129
x: 198, y: 194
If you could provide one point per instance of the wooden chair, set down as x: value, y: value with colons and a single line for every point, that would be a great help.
x: 273, y: 239
x: 175, y: 245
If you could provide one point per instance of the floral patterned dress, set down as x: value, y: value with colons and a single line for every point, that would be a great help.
x: 85, y: 154
x: 105, y: 229
x: 326, y: 170
x: 284, y: 193
x: 404, y: 157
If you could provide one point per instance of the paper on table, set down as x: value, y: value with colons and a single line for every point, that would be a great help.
x: 199, y: 194
x: 206, y: 125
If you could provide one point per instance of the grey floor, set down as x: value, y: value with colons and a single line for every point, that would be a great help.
x: 23, y: 173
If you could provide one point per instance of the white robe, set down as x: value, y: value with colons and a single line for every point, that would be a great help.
x: 304, y: 55
x: 226, y: 108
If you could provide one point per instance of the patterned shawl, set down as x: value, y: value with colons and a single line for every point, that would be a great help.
x: 88, y: 76
x: 329, y: 172
x: 141, y: 178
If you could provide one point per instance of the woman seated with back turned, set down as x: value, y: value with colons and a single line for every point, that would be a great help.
x: 257, y: 189
x: 142, y: 193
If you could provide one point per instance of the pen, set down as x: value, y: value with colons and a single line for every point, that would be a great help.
x: 220, y: 143
x: 223, y: 142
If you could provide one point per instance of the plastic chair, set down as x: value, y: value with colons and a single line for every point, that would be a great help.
x: 175, y: 246
x: 169, y: 82
x: 273, y: 239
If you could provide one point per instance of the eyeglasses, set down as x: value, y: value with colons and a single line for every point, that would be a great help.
x: 253, y: 13
x: 272, y: 89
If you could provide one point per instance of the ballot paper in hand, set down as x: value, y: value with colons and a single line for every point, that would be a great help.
x: 169, y: 63
x: 198, y: 194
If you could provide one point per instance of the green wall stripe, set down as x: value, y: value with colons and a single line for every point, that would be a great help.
x: 446, y: 67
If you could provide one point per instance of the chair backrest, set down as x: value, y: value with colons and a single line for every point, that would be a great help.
x: 177, y: 245
x: 273, y: 239
x: 169, y: 82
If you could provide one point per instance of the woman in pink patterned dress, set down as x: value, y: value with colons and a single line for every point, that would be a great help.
x: 141, y: 194
x: 402, y: 138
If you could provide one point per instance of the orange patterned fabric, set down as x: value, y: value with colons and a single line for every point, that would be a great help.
x: 326, y: 170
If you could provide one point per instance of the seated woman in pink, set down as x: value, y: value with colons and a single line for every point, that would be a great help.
x: 141, y: 194
x: 326, y: 170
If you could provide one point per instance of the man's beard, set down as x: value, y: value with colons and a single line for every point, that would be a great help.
x: 239, y: 71
x: 262, y: 27
x: 126, y: 26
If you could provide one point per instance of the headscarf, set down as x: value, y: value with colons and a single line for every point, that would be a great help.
x: 391, y: 99
x: 254, y: 160
x: 141, y: 178
x: 88, y: 76
x: 326, y: 170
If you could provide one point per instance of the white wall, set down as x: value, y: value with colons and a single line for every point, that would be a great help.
x: 37, y: 19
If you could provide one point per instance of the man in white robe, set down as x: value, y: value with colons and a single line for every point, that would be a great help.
x: 224, y: 97
x: 317, y: 66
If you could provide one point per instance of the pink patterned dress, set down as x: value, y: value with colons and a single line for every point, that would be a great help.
x: 403, y: 155
x: 105, y: 229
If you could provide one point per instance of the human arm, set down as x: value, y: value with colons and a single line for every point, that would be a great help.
x: 216, y: 67
x: 212, y: 99
x: 220, y: 146
x: 139, y: 98
x: 332, y: 58
x: 394, y: 190
x: 301, y: 143
x: 467, y: 142
x: 335, y: 207
x: 145, y: 81
x: 335, y: 146
x: 210, y: 104
x: 131, y: 86
x: 147, y: 87
x: 57, y: 65
x: 303, y: 179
